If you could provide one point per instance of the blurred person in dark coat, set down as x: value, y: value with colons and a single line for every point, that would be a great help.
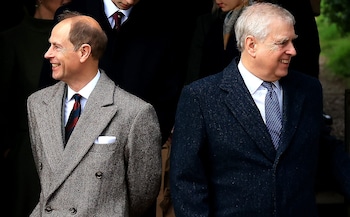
x: 21, y: 56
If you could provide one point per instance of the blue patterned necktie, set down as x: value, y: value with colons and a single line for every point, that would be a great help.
x: 272, y: 113
x: 74, y: 116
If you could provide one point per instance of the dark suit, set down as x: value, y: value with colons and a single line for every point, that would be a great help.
x: 215, y: 58
x: 223, y: 162
x: 206, y: 54
x: 142, y: 57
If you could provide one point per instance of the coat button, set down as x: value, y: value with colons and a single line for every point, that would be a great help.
x: 73, y: 210
x: 48, y: 209
x: 40, y: 166
x: 98, y: 175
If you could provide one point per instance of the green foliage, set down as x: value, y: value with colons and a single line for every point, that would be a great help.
x: 326, y: 30
x: 337, y: 12
x: 338, y: 60
x: 335, y: 47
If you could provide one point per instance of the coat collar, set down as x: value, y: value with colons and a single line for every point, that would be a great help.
x: 242, y: 105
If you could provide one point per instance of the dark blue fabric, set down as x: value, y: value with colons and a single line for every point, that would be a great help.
x: 223, y: 162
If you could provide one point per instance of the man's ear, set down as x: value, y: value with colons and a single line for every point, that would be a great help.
x: 250, y: 44
x: 85, y: 52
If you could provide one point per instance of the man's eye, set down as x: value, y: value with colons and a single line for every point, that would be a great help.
x: 55, y: 47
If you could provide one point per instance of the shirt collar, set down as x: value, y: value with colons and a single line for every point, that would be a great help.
x: 110, y: 8
x: 252, y: 82
x: 85, y: 91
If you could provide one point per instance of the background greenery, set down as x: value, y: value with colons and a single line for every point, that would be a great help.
x: 334, y: 31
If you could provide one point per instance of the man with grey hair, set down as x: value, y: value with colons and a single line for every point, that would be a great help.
x: 246, y: 139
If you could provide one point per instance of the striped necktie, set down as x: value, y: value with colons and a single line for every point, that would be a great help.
x: 73, y: 117
x: 272, y: 114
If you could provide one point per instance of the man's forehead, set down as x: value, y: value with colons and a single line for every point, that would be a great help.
x: 62, y: 27
x: 59, y: 33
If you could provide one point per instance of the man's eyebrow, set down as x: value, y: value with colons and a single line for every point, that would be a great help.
x: 56, y: 44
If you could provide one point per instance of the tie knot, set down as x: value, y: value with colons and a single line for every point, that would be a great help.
x: 77, y: 97
x: 267, y: 85
x: 117, y: 16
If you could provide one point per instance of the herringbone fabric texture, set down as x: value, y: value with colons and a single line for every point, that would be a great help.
x: 74, y: 116
x: 272, y: 113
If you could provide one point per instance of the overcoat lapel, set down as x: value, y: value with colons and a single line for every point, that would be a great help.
x: 243, y: 107
x: 293, y: 101
x: 98, y: 112
x: 95, y: 8
x: 52, y: 117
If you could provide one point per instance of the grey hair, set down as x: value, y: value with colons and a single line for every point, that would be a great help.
x: 255, y: 20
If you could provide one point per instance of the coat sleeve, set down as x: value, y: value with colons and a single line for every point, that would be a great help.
x: 188, y: 181
x: 143, y: 160
x: 32, y: 129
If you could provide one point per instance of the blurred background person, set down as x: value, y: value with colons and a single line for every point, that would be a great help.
x: 21, y: 52
x: 213, y: 44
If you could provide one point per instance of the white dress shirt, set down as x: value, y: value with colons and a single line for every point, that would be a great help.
x: 111, y: 8
x: 84, y: 92
x: 257, y: 91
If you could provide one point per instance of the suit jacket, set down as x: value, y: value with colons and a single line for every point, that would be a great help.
x: 88, y: 179
x: 143, y: 57
x: 223, y: 162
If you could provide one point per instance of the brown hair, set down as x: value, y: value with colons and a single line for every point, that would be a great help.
x: 82, y: 32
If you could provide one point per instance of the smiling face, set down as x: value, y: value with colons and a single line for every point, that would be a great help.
x: 63, y: 57
x: 272, y: 56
